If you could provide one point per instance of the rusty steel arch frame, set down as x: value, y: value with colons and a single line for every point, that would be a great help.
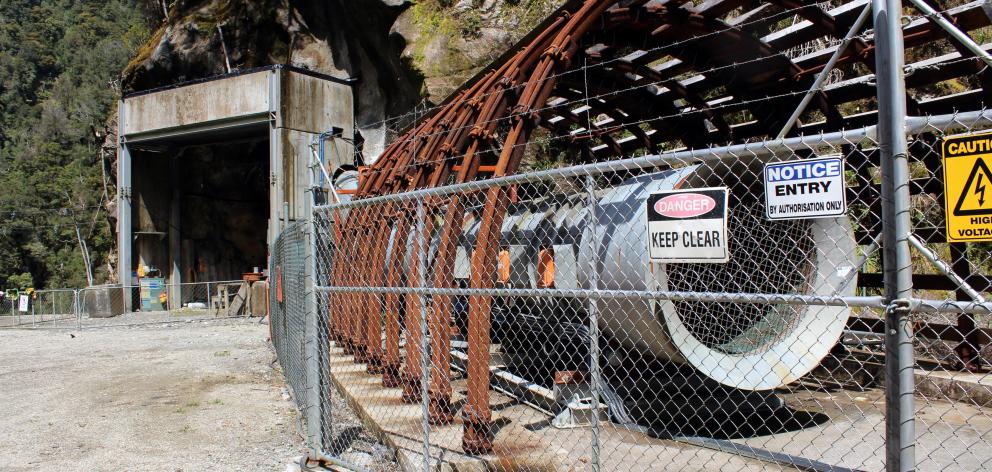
x: 661, y: 75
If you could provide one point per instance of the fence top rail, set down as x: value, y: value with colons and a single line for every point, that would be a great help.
x: 755, y: 150
x: 755, y: 298
x: 211, y: 282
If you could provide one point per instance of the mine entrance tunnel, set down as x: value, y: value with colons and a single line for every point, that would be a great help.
x: 210, y: 172
x: 201, y: 210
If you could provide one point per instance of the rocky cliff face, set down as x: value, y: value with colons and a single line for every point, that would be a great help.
x: 448, y: 41
x: 405, y: 55
x: 402, y: 52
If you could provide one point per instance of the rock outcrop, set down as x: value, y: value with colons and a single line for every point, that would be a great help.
x: 402, y: 52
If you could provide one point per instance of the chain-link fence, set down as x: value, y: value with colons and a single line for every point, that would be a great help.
x: 8, y: 311
x: 220, y: 298
x: 39, y: 308
x: 149, y: 302
x: 153, y: 301
x: 523, y: 291
x: 951, y: 285
x: 293, y: 322
x: 603, y: 335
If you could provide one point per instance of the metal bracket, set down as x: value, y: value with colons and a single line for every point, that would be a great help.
x: 578, y: 413
x: 945, y: 269
x: 952, y: 30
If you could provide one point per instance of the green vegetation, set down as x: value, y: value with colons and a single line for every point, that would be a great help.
x: 59, y: 64
x: 182, y: 410
x: 450, y: 45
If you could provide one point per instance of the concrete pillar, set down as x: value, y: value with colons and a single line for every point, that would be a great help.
x: 175, y: 237
x: 276, y: 195
x: 124, y: 236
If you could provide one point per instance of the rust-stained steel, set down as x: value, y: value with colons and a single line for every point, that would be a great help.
x: 391, y: 356
x: 373, y: 302
x: 413, y: 369
x: 653, y: 75
x: 439, y: 391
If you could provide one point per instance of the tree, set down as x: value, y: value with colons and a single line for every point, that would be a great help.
x: 59, y: 61
x: 20, y: 281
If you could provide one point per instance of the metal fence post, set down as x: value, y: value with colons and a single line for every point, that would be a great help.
x: 896, y: 227
x: 593, y: 320
x: 425, y: 356
x: 312, y: 354
x: 77, y: 308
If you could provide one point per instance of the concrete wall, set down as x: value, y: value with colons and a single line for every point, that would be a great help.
x: 234, y: 97
x: 297, y: 107
x: 314, y: 105
x: 310, y: 106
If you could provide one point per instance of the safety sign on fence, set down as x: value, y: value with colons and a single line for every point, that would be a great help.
x: 968, y: 187
x: 688, y: 226
x: 809, y: 188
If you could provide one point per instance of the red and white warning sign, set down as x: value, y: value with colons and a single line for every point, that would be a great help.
x: 688, y: 226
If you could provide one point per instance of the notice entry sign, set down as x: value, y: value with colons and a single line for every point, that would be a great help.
x: 808, y: 188
x: 688, y: 226
x: 968, y: 187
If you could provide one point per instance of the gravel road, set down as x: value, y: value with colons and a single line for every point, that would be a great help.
x: 180, y: 397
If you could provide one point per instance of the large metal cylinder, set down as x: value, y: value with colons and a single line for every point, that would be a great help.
x: 752, y: 346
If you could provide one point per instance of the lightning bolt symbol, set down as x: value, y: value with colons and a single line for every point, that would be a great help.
x: 980, y: 190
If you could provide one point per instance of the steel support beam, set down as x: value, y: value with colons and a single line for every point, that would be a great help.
x: 955, y: 33
x: 822, y: 76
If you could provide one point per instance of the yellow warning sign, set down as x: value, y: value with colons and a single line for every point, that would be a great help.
x: 968, y: 187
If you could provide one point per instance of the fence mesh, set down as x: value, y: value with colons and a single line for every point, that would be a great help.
x: 116, y: 305
x: 723, y: 357
x: 950, y: 343
x: 42, y: 308
x: 288, y: 319
x: 670, y: 276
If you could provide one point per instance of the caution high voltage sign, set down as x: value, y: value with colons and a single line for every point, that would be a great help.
x: 968, y: 187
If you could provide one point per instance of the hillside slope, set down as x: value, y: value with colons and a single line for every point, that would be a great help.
x: 60, y: 62
x: 64, y: 63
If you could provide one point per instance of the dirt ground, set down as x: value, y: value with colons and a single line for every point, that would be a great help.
x: 179, y: 397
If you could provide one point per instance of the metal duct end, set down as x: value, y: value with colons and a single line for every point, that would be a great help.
x: 746, y: 345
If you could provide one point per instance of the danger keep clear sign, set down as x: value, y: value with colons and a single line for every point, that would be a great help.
x: 688, y: 226
x: 968, y: 187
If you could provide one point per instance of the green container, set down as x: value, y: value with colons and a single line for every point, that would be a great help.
x: 152, y: 289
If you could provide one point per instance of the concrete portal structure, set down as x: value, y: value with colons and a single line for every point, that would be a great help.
x: 210, y: 171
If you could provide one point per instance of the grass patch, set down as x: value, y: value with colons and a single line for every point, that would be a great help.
x: 182, y: 410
